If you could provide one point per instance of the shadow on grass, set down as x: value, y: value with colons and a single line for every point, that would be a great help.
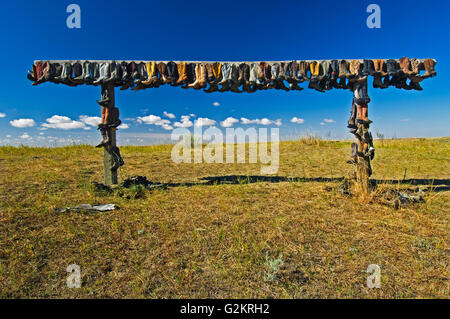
x: 435, y: 185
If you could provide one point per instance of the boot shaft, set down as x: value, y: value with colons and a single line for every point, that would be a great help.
x: 182, y: 75
x: 429, y: 67
x: 405, y: 65
x: 217, y: 70
x: 368, y: 68
x: 334, y: 69
x: 355, y: 68
x: 343, y: 69
x: 172, y: 71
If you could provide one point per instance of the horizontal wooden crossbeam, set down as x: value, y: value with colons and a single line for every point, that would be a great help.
x: 140, y: 61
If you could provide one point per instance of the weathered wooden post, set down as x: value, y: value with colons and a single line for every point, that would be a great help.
x: 364, y: 152
x: 108, y: 160
x: 363, y: 170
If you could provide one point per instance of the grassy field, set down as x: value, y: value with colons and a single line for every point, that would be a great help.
x: 223, y: 231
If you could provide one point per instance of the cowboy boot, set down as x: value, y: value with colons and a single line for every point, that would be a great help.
x: 303, y: 68
x: 210, y: 79
x: 334, y: 65
x: 117, y: 158
x: 294, y: 72
x: 80, y: 77
x: 196, y: 83
x: 226, y: 77
x: 203, y: 76
x: 191, y: 75
x: 162, y: 70
x: 48, y: 72
x: 356, y: 72
x: 274, y: 71
x: 415, y: 66
x: 39, y: 73
x: 405, y: 66
x: 152, y: 72
x: 105, y: 141
x: 343, y: 74
x: 209, y: 73
x: 244, y: 77
x: 429, y: 68
x: 368, y: 68
x: 234, y: 87
x: 315, y: 71
x: 253, y: 79
x: 352, y: 120
x: 182, y: 74
x: 141, y: 77
x: 113, y: 120
x: 325, y: 70
x: 58, y: 72
x: 267, y: 75
x: 104, y: 73
x: 127, y: 74
x: 172, y: 71
x: 77, y: 71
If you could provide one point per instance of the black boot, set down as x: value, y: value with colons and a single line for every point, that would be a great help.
x: 117, y: 158
x: 352, y: 120
x: 368, y: 67
x: 105, y: 137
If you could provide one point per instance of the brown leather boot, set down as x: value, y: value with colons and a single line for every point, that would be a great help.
x: 429, y: 68
x: 355, y: 70
x: 182, y: 73
x: 162, y: 69
x: 405, y: 65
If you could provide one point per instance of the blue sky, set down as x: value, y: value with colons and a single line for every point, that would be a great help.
x: 231, y: 31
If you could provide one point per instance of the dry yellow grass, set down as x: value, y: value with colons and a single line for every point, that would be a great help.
x: 212, y: 240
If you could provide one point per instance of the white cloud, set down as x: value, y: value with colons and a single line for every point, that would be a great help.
x: 156, y: 120
x: 229, y: 122
x: 2, y: 115
x: 216, y: 104
x: 264, y: 121
x: 63, y: 123
x: 203, y: 121
x: 167, y: 127
x: 150, y: 119
x: 8, y: 136
x: 21, y: 123
x: 123, y: 126
x: 329, y: 121
x: 297, y: 120
x: 169, y: 115
x: 90, y: 120
x: 25, y: 136
x: 322, y: 123
x: 42, y: 133
x: 185, y: 122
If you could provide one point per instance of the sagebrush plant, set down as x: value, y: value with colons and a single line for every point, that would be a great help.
x: 273, y: 267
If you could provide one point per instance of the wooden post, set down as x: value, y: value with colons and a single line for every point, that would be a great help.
x: 362, y: 167
x: 362, y: 171
x: 108, y: 161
